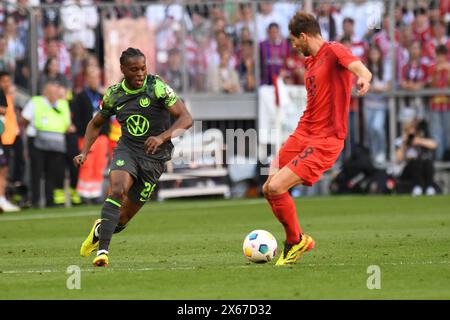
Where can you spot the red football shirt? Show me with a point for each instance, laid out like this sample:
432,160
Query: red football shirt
328,85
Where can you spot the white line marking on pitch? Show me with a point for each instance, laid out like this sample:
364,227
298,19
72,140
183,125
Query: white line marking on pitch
59,215
50,216
168,207
229,267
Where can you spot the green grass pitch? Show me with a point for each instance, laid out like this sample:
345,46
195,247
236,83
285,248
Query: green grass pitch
193,250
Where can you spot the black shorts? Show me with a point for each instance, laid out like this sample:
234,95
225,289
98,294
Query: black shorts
146,172
3,156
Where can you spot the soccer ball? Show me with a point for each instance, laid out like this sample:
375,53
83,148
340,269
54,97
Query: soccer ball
260,246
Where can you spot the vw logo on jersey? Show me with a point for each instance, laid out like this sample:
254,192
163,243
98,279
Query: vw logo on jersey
144,102
137,125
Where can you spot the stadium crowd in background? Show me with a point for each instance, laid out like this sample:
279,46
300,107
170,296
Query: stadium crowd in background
218,55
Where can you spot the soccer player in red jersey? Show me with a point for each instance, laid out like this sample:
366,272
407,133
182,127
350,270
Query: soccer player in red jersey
318,140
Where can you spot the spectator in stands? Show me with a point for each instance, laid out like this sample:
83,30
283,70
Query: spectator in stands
78,57
201,27
51,14
246,66
414,76
287,10
266,17
11,138
3,12
358,46
294,68
172,71
223,78
199,53
415,151
164,10
79,80
125,9
22,74
245,35
406,37
223,42
222,24
406,15
54,48
79,19
246,19
439,38
273,52
84,106
216,12
326,21
15,47
51,73
49,33
5,205
167,18
7,61
219,23
421,25
440,105
383,38
375,105
47,118
22,18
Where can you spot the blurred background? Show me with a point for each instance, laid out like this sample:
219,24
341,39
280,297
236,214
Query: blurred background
233,65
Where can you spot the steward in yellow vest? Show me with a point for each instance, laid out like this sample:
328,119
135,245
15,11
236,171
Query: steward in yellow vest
47,118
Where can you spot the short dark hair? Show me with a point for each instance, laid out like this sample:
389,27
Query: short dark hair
303,22
348,19
4,73
173,51
438,22
130,53
47,64
247,42
273,25
420,11
442,49
52,82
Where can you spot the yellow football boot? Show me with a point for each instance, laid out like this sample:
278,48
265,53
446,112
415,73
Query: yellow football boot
91,243
101,260
292,253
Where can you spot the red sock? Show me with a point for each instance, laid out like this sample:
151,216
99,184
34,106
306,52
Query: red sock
283,207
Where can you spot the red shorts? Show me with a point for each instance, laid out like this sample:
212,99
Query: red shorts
308,157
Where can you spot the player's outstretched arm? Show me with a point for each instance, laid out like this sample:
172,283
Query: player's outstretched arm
182,123
92,131
363,74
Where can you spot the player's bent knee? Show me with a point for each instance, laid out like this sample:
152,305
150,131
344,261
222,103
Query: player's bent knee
275,188
265,189
124,218
118,192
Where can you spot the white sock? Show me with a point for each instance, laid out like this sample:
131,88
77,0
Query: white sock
96,231
99,252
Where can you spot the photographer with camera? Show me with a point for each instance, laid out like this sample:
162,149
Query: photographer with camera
415,151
